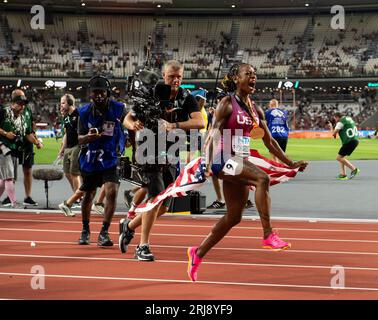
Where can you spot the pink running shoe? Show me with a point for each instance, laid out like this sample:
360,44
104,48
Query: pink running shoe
274,242
131,215
193,263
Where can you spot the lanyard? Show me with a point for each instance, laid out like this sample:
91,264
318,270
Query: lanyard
247,109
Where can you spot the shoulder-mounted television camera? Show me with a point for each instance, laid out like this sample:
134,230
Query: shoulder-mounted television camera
148,97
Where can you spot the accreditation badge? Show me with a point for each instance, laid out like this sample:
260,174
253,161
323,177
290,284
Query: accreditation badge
241,145
108,128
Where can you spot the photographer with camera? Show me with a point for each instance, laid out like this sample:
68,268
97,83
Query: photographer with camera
182,113
15,128
100,134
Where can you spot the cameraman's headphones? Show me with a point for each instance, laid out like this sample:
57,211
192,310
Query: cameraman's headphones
108,84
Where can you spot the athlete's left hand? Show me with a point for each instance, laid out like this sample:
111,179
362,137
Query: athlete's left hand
302,164
208,172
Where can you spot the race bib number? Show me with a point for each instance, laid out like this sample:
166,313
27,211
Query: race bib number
240,145
93,156
230,167
277,129
108,128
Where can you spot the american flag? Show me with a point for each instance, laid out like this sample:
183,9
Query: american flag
192,177
277,172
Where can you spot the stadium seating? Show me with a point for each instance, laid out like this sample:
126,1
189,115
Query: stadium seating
277,46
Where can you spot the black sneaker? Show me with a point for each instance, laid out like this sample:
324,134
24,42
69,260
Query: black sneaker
30,202
216,205
249,204
84,238
125,235
143,253
354,173
104,239
6,202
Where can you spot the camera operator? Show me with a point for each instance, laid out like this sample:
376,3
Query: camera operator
26,156
15,127
100,134
186,116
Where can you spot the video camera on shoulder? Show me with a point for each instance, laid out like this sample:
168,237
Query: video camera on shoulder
149,98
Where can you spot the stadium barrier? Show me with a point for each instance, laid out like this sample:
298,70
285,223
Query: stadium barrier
366,133
325,134
310,134
45,133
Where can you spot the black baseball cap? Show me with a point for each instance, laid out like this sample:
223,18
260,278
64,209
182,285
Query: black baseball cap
20,99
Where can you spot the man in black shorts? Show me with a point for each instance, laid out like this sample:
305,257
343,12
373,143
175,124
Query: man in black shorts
100,134
70,152
348,132
185,117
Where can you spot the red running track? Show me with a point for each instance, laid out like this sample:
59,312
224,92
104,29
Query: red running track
237,268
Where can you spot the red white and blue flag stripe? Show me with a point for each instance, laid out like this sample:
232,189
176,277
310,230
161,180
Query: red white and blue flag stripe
192,177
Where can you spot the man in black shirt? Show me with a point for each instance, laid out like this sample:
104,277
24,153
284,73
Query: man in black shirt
183,114
70,151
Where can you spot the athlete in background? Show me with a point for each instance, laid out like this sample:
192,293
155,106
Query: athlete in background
347,130
276,120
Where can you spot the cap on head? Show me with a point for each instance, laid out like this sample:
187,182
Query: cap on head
200,93
99,82
19,99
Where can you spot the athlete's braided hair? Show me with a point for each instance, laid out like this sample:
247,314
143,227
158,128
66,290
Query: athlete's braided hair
228,81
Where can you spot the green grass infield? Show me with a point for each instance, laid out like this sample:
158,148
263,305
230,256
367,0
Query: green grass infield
297,149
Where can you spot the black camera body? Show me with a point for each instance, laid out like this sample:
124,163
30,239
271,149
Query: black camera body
19,142
148,98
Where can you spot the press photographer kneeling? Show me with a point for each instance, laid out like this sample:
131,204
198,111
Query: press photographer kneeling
13,129
181,112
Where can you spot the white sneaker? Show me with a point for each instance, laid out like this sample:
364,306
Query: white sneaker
98,208
76,204
66,209
16,205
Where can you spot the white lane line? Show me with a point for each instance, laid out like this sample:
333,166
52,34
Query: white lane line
194,235
249,284
196,226
215,248
32,256
206,216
